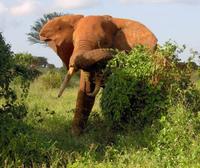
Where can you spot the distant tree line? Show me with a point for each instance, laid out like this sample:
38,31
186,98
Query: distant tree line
28,60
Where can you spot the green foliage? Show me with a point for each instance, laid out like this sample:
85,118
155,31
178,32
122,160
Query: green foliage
10,107
29,61
24,59
125,84
5,64
23,66
177,142
39,62
155,94
52,79
143,84
51,66
41,137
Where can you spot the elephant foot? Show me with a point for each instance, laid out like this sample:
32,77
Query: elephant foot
79,124
76,130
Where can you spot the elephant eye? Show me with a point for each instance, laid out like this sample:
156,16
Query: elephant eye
59,28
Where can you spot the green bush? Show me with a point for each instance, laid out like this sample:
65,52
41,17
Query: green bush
155,94
177,142
11,105
143,84
17,144
53,78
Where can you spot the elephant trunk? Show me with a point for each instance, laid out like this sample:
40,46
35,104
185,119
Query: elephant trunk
90,60
66,80
80,48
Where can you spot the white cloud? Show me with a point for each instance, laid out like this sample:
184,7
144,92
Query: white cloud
26,7
3,8
76,4
190,2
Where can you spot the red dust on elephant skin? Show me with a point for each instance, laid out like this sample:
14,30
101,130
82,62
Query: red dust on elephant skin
91,39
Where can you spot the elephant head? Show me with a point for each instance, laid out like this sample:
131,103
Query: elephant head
58,33
85,42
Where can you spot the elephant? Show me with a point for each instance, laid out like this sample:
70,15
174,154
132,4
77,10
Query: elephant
82,43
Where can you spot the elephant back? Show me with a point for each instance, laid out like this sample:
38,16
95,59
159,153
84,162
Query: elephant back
131,33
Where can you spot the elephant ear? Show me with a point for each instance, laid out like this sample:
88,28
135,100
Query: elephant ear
94,59
58,33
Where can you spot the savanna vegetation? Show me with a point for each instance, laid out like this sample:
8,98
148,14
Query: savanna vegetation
146,116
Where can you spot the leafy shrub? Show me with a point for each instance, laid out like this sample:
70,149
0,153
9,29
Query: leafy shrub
11,106
54,77
143,84
177,143
24,59
20,146
156,95
13,131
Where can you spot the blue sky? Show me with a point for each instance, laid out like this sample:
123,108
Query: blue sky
178,20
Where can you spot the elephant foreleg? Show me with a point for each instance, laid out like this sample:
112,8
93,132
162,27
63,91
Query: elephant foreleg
84,105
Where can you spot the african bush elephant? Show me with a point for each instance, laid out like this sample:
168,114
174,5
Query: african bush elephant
82,43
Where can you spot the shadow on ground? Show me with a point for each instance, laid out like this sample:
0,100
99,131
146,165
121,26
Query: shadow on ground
96,139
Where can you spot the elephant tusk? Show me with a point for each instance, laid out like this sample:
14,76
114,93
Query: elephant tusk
66,80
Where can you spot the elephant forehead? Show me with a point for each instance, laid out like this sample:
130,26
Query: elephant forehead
97,29
60,25
51,24
89,25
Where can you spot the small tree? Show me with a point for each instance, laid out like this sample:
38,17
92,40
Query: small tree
8,72
24,59
143,85
51,66
40,62
30,61
6,65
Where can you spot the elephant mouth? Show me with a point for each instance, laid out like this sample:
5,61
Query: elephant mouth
45,39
